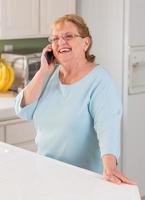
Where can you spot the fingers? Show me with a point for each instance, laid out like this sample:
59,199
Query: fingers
113,179
123,178
47,48
118,178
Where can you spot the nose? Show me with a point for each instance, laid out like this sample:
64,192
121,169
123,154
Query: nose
61,41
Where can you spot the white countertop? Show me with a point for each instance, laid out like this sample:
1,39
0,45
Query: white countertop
27,176
7,108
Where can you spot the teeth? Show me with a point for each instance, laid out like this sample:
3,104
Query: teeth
64,50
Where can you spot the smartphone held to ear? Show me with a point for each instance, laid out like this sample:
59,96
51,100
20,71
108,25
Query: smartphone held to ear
49,57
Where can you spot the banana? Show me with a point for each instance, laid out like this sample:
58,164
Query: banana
4,76
10,74
0,73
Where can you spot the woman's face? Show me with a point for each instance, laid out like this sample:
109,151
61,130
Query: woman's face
67,43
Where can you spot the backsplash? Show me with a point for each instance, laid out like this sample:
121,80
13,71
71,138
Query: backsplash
37,43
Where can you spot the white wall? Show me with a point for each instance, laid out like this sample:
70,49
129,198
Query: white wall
105,20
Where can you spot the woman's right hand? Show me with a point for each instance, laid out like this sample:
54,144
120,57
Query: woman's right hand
35,87
45,67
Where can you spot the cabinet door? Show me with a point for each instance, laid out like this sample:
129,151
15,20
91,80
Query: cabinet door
21,134
19,18
50,10
30,146
137,24
2,134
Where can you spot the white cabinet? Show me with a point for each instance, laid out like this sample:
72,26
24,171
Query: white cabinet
19,133
50,10
29,145
30,18
2,134
18,18
137,25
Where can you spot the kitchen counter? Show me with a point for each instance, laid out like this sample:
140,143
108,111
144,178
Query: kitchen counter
7,108
25,176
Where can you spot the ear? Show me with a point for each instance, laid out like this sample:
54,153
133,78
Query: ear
86,43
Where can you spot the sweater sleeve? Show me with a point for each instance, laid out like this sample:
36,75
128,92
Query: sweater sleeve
106,111
27,111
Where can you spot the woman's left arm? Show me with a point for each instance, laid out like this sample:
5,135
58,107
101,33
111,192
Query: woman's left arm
110,171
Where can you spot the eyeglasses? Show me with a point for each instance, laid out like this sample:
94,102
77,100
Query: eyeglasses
66,37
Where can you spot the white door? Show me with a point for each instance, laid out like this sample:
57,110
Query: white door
19,18
50,10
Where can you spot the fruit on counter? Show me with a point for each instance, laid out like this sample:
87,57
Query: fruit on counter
6,75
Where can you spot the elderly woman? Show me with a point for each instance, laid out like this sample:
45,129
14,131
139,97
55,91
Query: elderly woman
74,106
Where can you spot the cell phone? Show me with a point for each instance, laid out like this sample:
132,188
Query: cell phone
49,57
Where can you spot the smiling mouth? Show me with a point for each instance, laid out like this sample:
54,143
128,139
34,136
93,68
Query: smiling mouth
65,50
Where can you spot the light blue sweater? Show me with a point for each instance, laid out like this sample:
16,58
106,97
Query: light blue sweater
77,123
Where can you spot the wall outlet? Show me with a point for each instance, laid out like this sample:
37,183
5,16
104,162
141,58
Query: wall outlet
8,47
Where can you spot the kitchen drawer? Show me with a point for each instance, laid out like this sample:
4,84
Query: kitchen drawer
2,137
20,132
30,146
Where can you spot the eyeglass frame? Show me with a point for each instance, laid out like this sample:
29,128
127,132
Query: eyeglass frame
64,37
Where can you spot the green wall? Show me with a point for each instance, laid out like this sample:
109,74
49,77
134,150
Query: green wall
37,43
